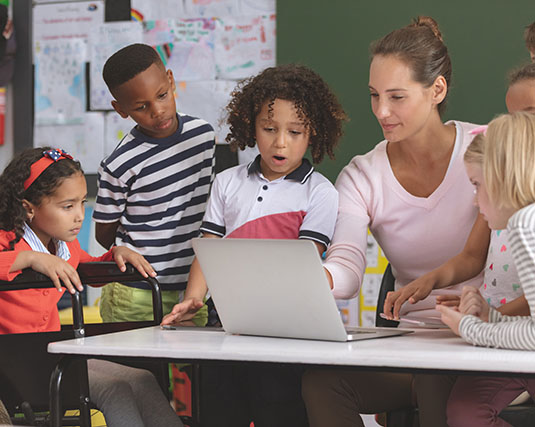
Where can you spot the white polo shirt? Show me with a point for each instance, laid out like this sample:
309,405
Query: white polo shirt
244,204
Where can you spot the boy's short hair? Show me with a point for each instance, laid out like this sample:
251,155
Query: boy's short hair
127,63
526,72
529,37
509,156
316,105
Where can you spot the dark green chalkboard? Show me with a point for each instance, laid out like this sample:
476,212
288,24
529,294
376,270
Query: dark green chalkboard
484,37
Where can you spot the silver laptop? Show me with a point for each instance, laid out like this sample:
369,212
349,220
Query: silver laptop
275,288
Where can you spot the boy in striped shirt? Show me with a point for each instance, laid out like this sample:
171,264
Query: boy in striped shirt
153,187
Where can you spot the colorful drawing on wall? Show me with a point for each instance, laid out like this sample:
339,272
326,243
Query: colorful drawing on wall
211,8
62,20
116,128
83,141
186,46
60,84
150,10
206,99
105,40
244,45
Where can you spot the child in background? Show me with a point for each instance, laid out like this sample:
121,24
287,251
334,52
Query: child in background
154,186
284,111
42,203
520,95
529,37
505,190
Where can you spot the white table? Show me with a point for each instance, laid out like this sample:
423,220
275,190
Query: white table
435,350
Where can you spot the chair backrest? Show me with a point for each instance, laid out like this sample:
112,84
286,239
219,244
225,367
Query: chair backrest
387,285
25,364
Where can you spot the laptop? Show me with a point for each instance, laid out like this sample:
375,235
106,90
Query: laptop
275,288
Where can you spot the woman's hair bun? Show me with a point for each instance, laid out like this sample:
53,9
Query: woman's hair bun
427,21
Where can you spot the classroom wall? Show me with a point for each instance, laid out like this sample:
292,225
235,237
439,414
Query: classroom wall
484,38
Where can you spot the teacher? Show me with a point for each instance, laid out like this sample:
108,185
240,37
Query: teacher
414,195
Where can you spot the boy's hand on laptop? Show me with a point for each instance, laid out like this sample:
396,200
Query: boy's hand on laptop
123,255
182,311
413,292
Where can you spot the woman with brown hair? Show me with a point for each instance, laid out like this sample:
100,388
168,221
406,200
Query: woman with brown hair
413,193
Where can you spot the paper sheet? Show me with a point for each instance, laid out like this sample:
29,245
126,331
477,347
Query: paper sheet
116,128
244,46
211,8
149,10
66,20
186,46
206,100
105,40
85,142
60,84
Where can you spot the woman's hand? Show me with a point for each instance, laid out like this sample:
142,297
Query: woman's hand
58,270
182,311
472,302
123,255
415,291
451,317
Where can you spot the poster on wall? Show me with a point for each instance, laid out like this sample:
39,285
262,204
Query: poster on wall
151,10
244,46
207,100
59,82
210,8
83,141
67,20
104,41
186,46
116,128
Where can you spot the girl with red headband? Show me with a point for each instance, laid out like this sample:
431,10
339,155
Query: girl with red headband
42,201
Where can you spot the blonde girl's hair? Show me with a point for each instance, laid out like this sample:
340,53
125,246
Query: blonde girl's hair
474,152
509,160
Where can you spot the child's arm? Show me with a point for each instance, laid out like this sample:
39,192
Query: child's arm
105,233
193,298
517,307
461,267
52,266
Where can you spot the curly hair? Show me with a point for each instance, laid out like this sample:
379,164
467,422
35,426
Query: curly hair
315,103
12,193
526,72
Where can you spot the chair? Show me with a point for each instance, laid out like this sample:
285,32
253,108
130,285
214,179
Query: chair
519,416
26,366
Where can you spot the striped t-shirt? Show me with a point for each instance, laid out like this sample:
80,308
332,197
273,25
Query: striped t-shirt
157,189
513,332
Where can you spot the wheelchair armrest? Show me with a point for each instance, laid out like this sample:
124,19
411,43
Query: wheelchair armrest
105,272
90,273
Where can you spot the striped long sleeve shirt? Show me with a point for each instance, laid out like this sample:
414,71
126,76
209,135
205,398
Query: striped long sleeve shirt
512,332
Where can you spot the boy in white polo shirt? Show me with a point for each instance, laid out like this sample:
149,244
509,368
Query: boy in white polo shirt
284,111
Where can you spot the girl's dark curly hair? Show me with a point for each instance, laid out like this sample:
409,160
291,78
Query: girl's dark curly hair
316,105
12,193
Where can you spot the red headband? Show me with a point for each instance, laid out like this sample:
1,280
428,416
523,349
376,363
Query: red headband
49,157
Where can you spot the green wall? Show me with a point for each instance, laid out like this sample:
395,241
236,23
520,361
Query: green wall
484,38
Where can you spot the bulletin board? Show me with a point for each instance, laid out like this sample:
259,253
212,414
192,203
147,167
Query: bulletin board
209,46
